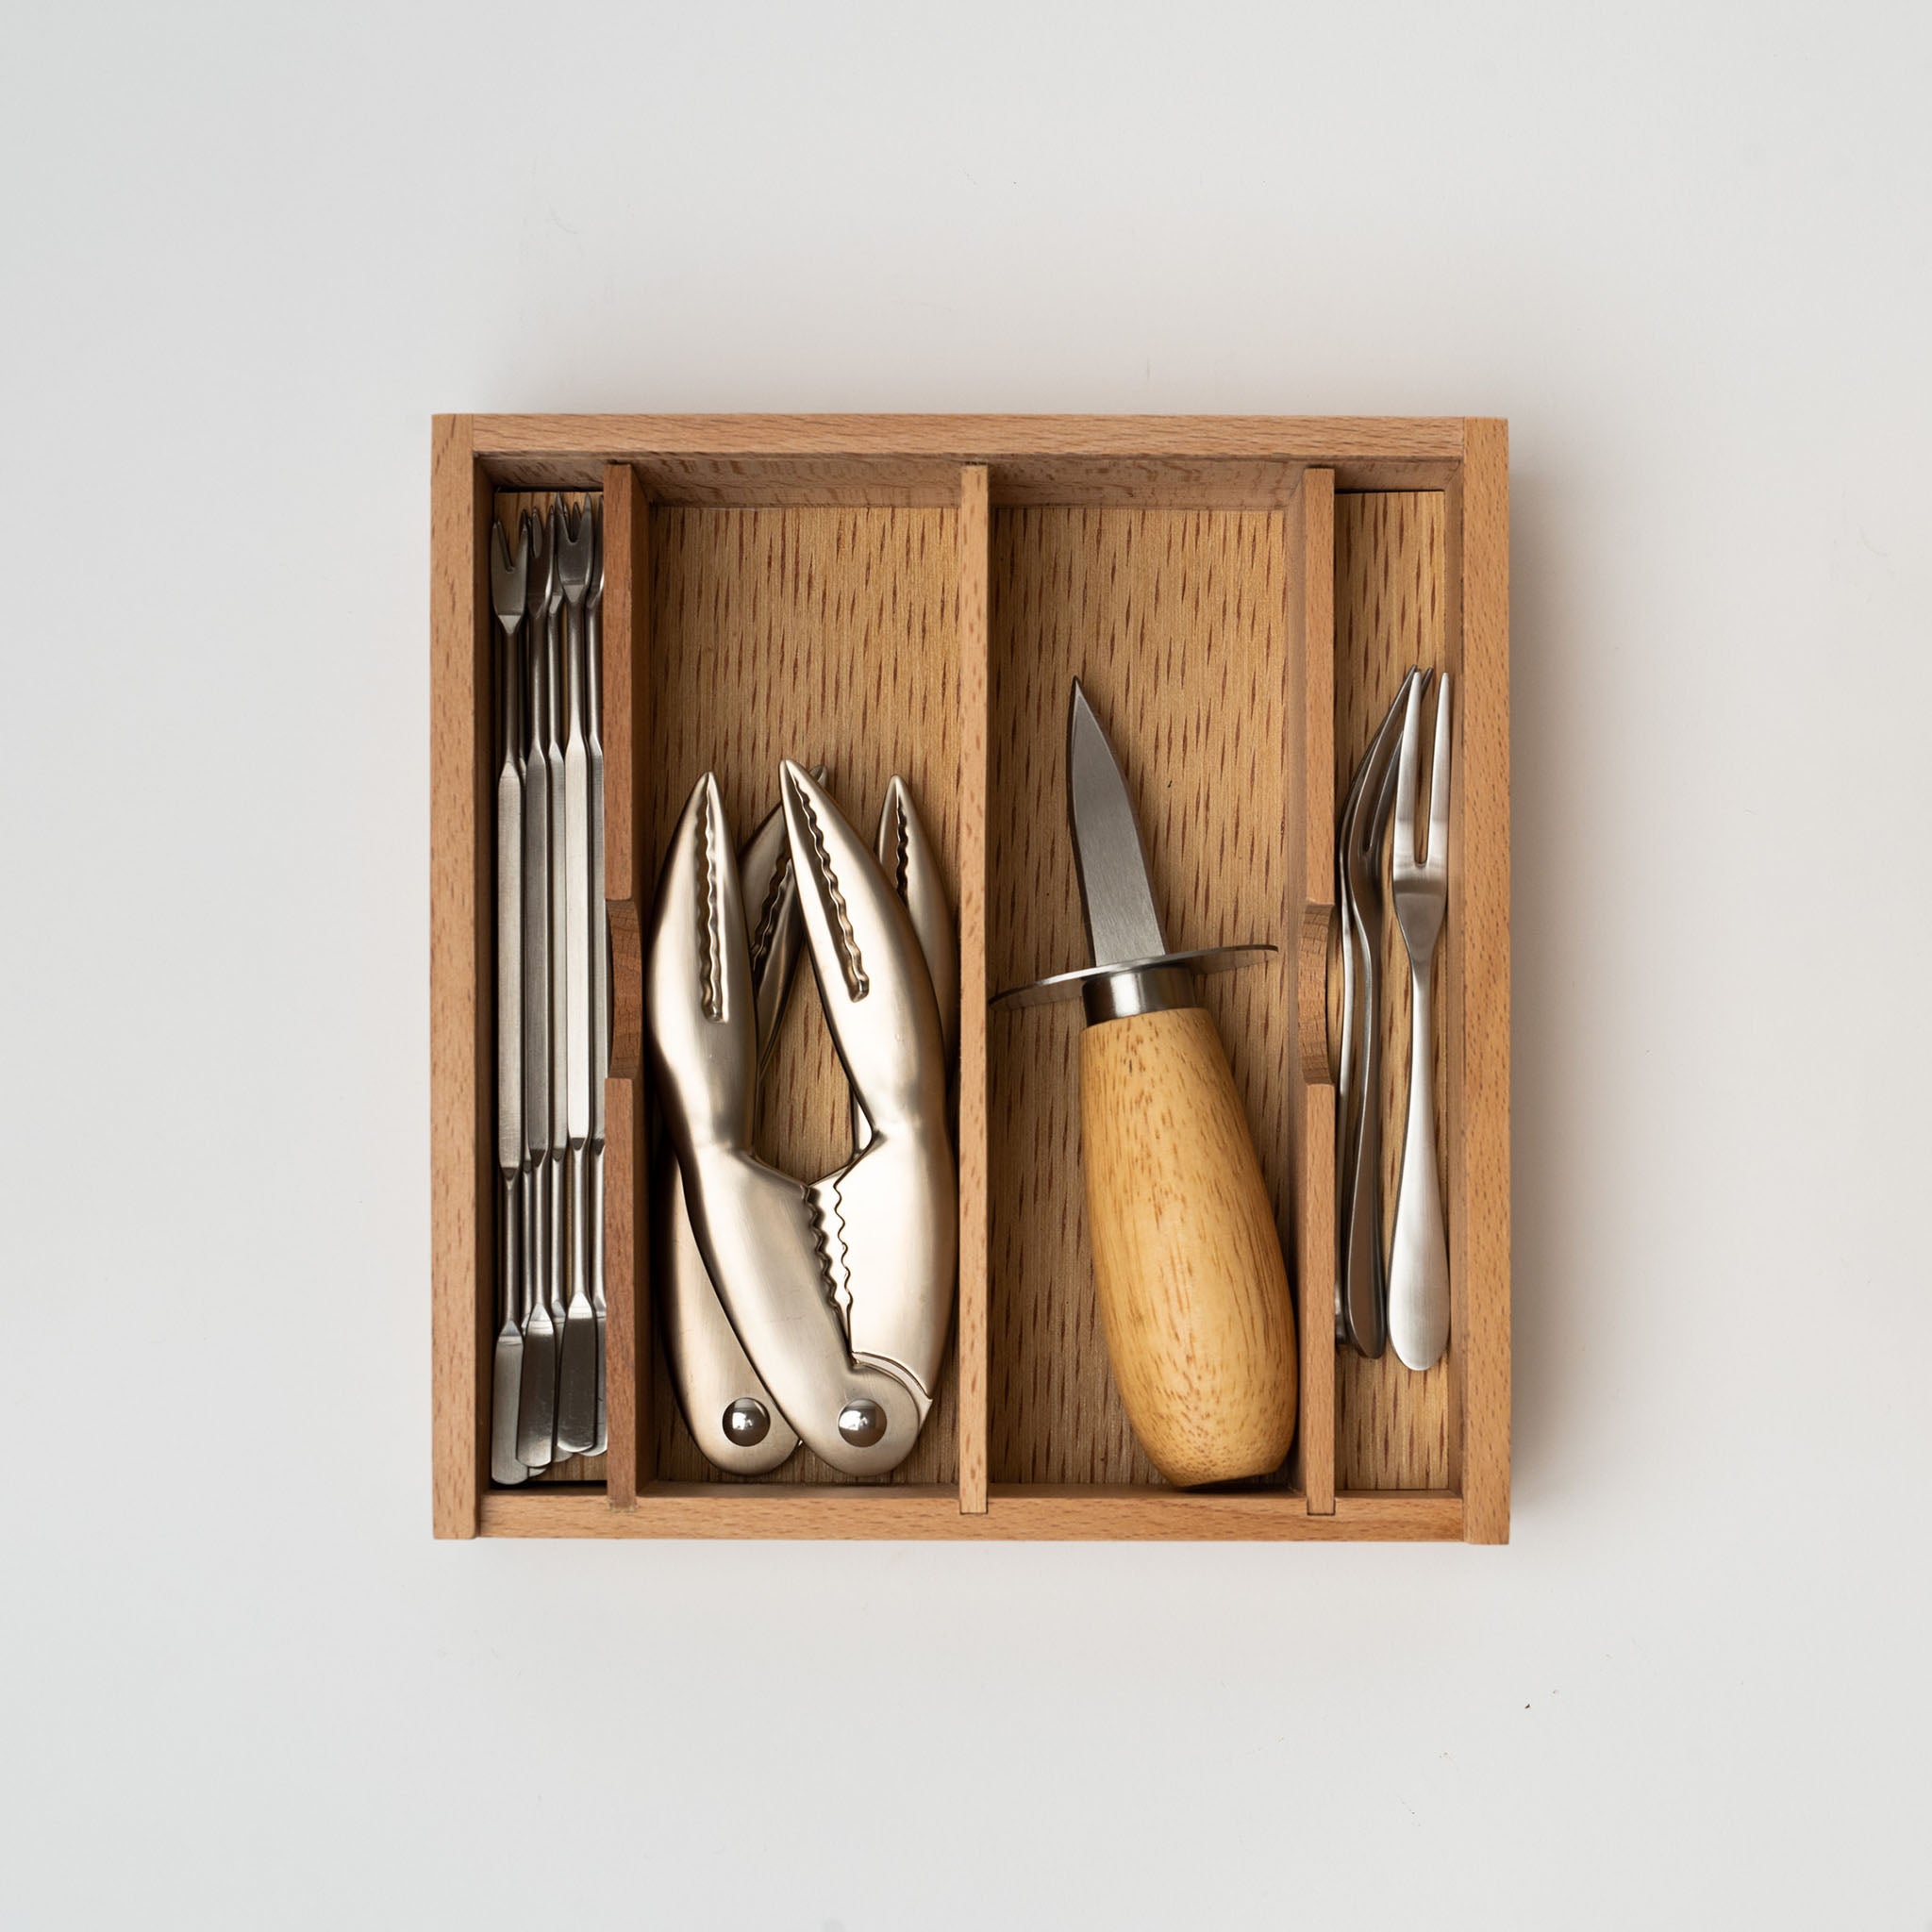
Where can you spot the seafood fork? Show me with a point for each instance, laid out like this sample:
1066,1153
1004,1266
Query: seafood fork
1418,1254
537,1407
600,943
507,588
559,943
1363,1283
576,1397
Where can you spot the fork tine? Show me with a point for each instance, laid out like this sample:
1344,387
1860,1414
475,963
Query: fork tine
576,547
1363,837
507,573
1408,762
1438,855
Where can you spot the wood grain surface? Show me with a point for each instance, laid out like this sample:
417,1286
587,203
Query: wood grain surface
627,721
1310,1095
1177,622
1391,612
828,635
975,670
461,969
1056,1513
1480,986
1187,1261
1235,462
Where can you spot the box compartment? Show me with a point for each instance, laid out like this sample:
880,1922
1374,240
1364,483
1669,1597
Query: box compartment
1178,621
828,635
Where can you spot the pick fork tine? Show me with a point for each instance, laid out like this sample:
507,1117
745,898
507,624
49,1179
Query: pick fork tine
507,577
1437,853
1403,857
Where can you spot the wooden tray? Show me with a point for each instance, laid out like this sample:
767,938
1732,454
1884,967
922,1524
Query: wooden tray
913,594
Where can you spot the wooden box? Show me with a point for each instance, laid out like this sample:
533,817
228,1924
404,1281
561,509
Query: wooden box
914,594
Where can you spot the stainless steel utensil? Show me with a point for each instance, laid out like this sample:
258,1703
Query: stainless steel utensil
907,859
576,1397
556,1160
1187,1266
840,1291
1362,1280
1418,1254
732,1416
507,588
600,948
558,1273
537,1403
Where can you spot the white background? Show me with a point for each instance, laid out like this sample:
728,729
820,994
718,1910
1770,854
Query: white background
247,253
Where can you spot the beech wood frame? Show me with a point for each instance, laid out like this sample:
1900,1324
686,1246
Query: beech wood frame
974,463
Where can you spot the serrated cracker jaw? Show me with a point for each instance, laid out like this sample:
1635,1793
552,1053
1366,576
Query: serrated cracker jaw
840,1293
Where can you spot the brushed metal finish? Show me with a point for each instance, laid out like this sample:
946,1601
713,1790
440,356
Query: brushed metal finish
1123,996
557,1271
600,952
894,1208
714,1377
507,578
537,1400
910,863
1362,1296
576,1396
1131,973
1066,986
1116,900
1419,1252
840,1292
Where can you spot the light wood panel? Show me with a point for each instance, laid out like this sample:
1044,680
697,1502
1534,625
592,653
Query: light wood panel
462,1184
1480,986
1188,1261
974,540
1391,612
929,1512
631,1460
1177,625
1171,461
829,636
1311,1092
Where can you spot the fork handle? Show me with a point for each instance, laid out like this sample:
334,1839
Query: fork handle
1362,1301
1418,1254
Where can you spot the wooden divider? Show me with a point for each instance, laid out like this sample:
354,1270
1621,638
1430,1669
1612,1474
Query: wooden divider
1480,915
1311,1094
630,1455
975,538
462,1180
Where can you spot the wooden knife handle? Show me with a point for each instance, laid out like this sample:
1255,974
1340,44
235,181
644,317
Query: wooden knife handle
1188,1265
